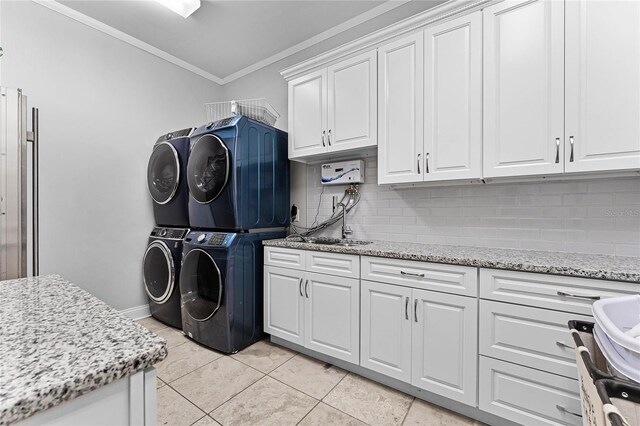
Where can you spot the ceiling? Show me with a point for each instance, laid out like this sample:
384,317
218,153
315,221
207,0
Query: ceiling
225,38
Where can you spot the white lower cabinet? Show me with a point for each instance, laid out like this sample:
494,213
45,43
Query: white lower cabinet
528,396
445,340
318,311
284,303
386,329
332,316
425,338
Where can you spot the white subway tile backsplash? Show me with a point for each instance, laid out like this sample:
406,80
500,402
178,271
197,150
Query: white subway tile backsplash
589,216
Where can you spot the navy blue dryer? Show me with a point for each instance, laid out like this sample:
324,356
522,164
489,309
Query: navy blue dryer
238,176
221,288
166,180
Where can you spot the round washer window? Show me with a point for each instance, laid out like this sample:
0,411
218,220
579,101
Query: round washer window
200,285
158,272
208,168
163,173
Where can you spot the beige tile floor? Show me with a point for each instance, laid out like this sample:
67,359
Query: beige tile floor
269,385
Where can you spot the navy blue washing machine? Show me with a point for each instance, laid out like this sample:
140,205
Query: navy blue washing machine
161,273
238,176
166,178
221,288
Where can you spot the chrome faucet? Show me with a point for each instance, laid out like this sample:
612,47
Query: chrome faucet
346,230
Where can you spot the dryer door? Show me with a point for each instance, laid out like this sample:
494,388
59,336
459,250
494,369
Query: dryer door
158,272
208,168
200,285
163,173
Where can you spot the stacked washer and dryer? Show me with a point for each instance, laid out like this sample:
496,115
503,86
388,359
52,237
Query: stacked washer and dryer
236,182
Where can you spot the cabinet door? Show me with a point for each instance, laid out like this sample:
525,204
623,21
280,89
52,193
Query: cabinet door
400,110
308,114
332,316
386,329
352,103
445,345
603,85
284,303
453,99
523,88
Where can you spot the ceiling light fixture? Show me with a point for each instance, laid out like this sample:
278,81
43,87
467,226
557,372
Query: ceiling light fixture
183,8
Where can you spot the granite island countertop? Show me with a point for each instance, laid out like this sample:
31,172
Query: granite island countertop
59,342
605,267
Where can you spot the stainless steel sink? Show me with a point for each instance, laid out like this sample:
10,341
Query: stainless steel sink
336,241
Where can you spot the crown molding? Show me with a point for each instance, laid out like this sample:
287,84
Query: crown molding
133,41
444,11
325,35
109,30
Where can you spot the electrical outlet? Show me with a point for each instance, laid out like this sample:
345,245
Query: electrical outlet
295,213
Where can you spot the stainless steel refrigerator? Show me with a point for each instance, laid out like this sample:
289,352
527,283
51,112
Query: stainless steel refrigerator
18,187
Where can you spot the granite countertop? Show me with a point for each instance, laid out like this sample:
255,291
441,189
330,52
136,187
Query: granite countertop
59,342
606,267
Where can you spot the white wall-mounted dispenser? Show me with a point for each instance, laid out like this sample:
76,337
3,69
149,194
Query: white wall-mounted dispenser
343,172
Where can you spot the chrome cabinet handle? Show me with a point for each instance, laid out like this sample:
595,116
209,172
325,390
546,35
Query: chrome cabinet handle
571,143
577,296
306,288
406,308
557,150
563,345
564,410
426,163
329,137
419,163
411,274
415,310
300,287
323,134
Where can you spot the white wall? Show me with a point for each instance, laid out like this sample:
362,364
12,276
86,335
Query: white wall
102,105
586,216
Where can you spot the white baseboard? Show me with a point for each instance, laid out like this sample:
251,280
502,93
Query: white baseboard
137,312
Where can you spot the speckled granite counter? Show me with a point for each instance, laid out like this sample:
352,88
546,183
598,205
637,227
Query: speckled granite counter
617,268
59,342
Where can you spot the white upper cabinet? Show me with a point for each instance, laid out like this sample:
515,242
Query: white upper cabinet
453,99
308,114
353,118
400,110
523,88
602,113
334,109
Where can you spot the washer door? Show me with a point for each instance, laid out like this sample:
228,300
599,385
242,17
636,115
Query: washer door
208,168
163,173
158,272
200,285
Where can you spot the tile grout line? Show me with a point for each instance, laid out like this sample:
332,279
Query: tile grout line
336,408
413,401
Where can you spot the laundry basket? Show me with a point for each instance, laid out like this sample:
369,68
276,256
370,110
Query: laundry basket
613,317
620,402
592,368
257,109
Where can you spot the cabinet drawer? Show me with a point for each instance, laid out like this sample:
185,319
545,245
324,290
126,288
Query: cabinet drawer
344,265
528,396
284,257
534,337
454,279
567,294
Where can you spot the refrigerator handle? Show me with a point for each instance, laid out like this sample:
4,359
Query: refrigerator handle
34,137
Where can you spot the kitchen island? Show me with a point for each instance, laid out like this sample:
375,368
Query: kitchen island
68,358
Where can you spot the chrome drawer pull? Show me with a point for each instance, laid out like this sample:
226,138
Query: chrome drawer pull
564,410
323,134
406,308
557,150
300,286
571,142
306,288
419,163
411,274
577,296
563,345
415,309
